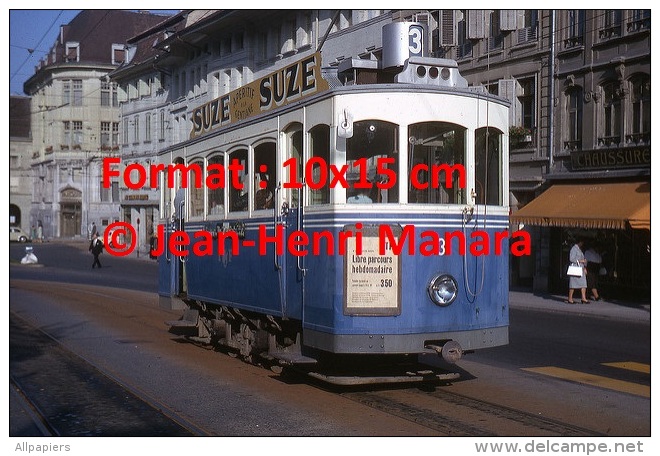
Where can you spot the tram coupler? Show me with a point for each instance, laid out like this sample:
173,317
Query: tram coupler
451,351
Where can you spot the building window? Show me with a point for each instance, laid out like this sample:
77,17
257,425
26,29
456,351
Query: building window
464,48
529,31
527,105
640,104
77,92
289,31
106,137
147,127
67,133
611,25
639,20
125,140
77,137
136,129
72,52
73,134
305,30
573,139
611,127
262,47
115,192
106,94
115,135
574,29
104,195
161,126
66,92
118,54
495,36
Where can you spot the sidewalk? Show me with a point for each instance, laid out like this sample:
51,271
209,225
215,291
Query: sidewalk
614,309
518,299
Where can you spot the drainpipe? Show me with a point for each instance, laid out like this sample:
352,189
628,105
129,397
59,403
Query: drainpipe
551,94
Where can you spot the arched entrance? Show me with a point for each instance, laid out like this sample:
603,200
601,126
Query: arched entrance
70,212
14,215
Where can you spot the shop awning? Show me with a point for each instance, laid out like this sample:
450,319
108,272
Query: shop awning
594,205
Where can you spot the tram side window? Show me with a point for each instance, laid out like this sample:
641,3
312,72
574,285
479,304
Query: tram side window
177,183
215,186
238,198
320,150
294,148
196,192
265,176
436,163
488,166
373,161
166,198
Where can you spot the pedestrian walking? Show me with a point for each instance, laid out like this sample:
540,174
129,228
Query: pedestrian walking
576,257
594,263
96,247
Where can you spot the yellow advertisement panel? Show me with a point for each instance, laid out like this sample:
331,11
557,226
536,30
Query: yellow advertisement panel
294,82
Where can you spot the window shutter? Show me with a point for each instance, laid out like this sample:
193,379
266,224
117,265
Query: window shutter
511,90
508,20
476,24
448,25
521,19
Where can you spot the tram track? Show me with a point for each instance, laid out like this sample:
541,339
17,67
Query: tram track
455,414
66,395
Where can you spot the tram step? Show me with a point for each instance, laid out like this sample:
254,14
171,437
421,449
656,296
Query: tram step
188,320
292,358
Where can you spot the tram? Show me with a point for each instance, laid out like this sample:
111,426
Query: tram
343,221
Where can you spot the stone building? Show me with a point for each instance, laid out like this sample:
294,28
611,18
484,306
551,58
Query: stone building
75,122
578,82
20,156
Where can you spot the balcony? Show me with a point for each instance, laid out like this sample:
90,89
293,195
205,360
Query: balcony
573,145
638,138
609,141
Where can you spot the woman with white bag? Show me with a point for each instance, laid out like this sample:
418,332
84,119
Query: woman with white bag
576,257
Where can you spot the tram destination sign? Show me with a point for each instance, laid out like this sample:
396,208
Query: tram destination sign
291,83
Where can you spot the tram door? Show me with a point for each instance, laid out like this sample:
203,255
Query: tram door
171,268
290,216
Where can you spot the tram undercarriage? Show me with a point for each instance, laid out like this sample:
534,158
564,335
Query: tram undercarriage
275,343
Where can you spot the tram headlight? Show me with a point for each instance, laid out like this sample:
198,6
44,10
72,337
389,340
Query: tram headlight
443,289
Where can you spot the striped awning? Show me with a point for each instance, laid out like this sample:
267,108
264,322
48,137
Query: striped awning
593,205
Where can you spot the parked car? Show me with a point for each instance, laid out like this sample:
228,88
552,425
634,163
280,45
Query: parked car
17,234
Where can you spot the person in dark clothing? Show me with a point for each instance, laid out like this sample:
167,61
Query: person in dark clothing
96,247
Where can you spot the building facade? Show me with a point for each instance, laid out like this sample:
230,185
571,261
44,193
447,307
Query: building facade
578,82
20,156
75,122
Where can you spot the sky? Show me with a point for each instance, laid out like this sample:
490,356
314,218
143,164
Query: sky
31,35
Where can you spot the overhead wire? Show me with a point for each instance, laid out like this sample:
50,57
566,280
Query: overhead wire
32,50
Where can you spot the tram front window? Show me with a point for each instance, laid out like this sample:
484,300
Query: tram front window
436,163
372,158
488,166
319,138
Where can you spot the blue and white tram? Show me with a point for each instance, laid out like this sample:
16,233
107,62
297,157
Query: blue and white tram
353,215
